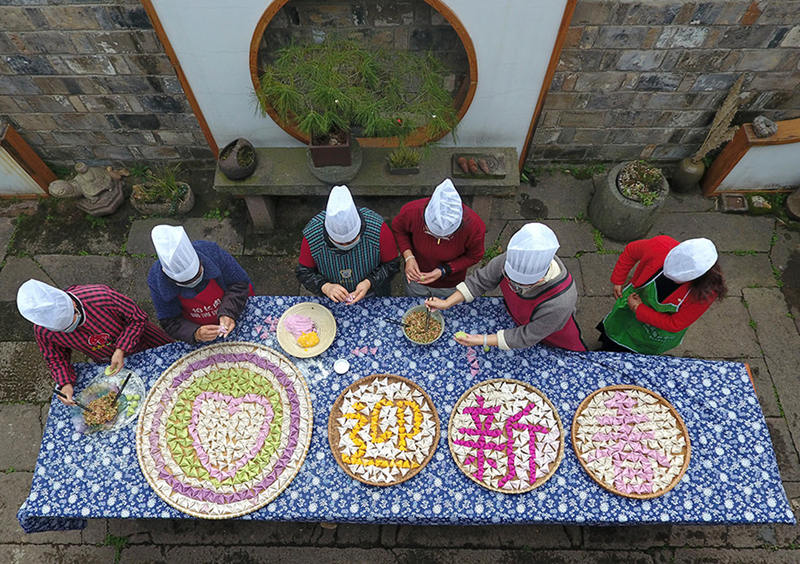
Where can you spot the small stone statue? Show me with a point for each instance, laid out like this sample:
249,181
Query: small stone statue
764,127
99,190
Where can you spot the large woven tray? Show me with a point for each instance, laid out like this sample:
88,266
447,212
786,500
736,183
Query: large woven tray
631,441
383,429
490,434
224,430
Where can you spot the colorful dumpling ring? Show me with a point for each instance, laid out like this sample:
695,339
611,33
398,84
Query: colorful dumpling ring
308,340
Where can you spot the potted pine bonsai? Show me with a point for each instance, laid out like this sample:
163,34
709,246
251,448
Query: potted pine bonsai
326,89
163,192
626,201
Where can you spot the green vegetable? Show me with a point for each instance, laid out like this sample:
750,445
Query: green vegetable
460,335
109,371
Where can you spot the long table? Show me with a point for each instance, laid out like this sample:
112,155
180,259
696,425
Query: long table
732,477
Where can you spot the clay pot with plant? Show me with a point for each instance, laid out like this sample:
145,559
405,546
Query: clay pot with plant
163,192
326,89
404,160
237,160
626,200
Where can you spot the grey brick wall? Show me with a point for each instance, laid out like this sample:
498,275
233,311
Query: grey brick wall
644,78
83,79
90,80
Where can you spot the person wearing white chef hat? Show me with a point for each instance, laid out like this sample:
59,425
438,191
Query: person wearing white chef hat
539,293
439,238
198,289
672,286
91,318
347,253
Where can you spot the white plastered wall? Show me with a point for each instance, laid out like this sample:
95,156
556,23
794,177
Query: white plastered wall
14,180
765,167
513,40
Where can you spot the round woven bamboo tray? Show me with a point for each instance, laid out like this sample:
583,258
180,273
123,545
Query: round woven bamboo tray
224,430
381,437
676,428
465,456
323,321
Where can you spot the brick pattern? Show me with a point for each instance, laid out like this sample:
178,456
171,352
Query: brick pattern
90,80
639,79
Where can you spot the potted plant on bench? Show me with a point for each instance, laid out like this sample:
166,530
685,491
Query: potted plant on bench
404,160
326,89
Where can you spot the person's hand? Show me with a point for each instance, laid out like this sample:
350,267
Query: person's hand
206,333
67,390
412,270
617,290
117,362
469,340
360,291
335,292
634,301
436,303
428,277
226,325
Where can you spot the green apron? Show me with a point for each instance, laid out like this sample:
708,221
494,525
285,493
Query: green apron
623,328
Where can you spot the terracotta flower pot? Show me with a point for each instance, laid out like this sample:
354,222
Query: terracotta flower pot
338,154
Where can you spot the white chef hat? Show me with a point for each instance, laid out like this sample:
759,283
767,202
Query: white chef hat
443,213
342,221
44,305
690,260
178,258
530,252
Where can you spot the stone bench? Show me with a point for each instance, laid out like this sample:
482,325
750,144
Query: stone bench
285,172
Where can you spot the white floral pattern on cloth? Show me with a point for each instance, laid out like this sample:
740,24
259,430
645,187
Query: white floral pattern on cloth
631,441
224,429
733,476
383,430
506,436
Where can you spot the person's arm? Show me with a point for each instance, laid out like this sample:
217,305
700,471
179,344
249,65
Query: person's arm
401,226
548,318
57,359
390,262
237,283
473,248
180,329
689,312
632,254
306,270
483,280
133,318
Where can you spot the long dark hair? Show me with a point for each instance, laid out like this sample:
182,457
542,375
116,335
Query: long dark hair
711,284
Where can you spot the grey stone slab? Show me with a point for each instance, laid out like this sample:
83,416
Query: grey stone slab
723,331
735,556
494,231
496,536
25,374
88,554
20,435
743,271
355,534
6,231
554,197
271,275
574,268
67,270
27,553
16,271
729,232
693,535
143,555
223,232
765,388
786,244
636,536
573,236
596,269
292,214
689,202
785,452
14,488
15,327
134,270
95,531
591,309
195,532
780,342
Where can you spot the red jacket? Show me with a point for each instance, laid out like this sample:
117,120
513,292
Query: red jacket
463,249
650,254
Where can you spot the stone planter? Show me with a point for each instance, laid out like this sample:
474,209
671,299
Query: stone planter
616,216
336,174
231,157
184,206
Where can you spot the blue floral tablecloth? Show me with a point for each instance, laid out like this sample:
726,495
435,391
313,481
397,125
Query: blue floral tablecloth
732,478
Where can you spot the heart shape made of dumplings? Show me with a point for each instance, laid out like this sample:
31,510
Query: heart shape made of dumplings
228,432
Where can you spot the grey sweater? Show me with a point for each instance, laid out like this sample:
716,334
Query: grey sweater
549,317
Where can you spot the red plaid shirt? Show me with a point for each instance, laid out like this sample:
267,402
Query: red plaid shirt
111,321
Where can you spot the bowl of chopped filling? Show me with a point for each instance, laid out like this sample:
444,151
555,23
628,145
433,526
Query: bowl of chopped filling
421,330
107,415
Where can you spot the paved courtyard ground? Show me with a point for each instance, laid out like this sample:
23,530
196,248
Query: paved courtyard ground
759,323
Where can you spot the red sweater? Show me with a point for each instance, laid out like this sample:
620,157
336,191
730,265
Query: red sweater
462,250
650,254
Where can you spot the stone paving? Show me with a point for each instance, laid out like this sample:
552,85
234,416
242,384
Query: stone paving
755,324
